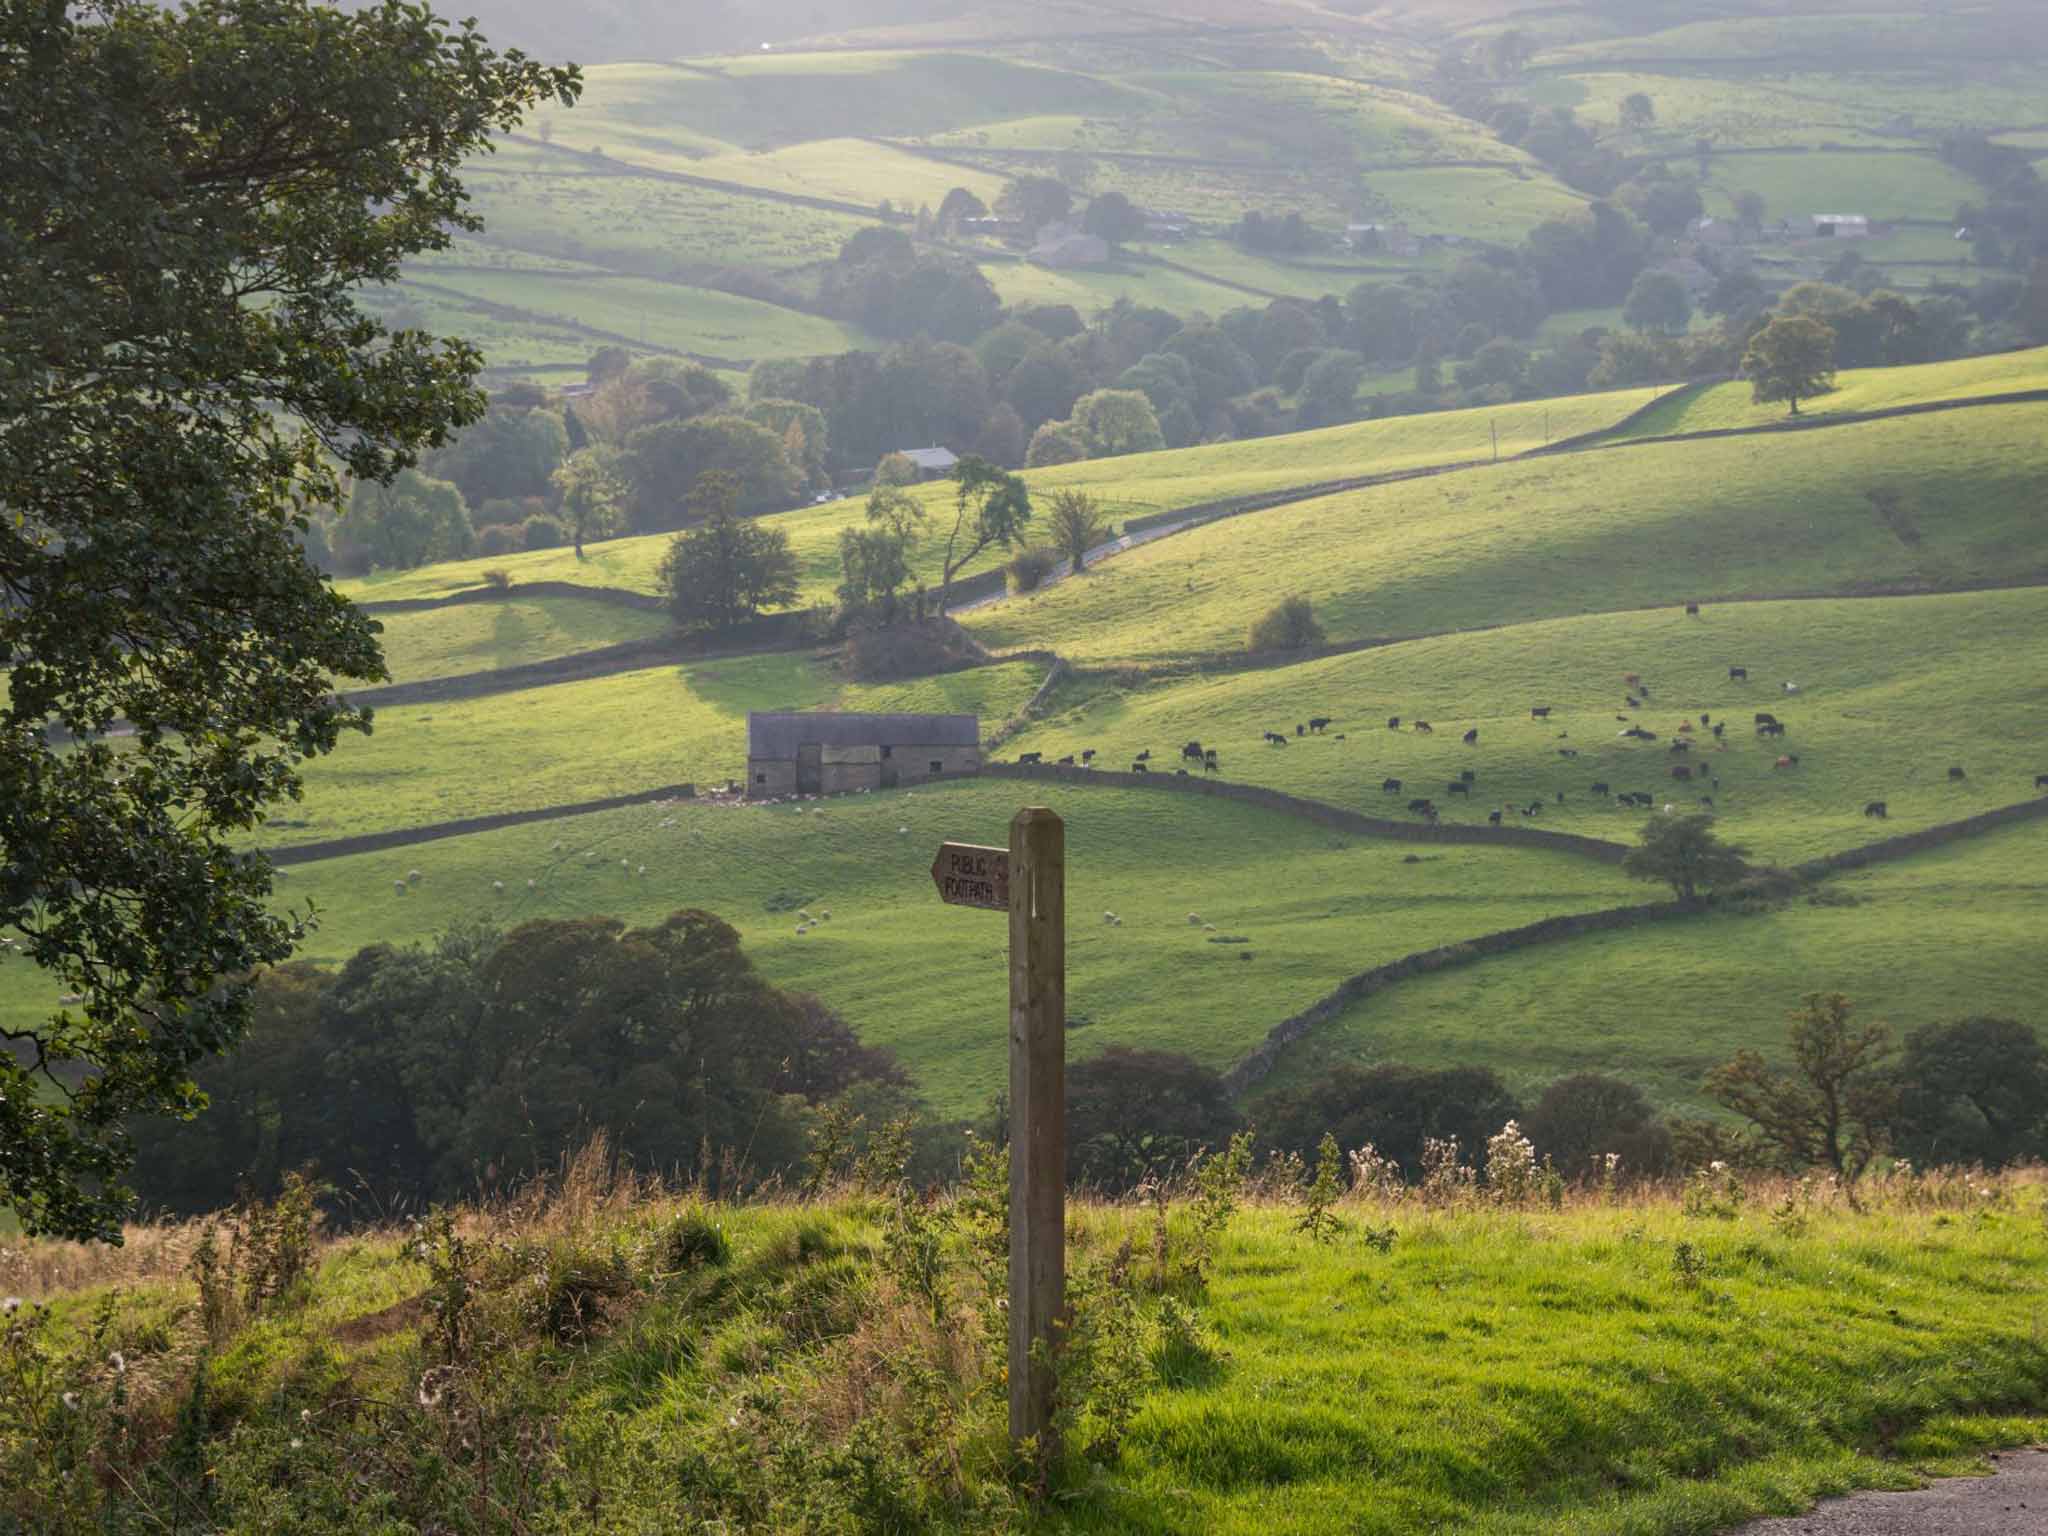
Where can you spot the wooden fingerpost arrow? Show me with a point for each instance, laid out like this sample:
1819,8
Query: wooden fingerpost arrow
1030,880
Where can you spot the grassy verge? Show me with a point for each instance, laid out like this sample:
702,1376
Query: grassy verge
488,637
1518,1370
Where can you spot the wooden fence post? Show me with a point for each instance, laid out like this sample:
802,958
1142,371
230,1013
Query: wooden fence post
1038,1116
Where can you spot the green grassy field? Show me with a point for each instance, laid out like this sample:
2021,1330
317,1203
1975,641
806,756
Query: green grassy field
668,317
1937,937
1893,692
1577,533
606,736
1140,483
1900,186
1868,389
488,637
928,980
1590,1371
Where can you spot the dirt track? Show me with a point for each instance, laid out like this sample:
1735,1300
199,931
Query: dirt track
2014,1502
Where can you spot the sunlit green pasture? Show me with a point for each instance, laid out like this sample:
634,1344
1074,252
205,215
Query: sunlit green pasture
1735,113
488,637
853,170
669,317
587,740
1893,693
1480,203
928,980
1936,937
587,211
1131,486
1630,526
1887,186
506,341
1865,389
1093,289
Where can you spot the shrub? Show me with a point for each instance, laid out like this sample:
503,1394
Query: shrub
1289,625
498,579
544,533
1031,566
500,539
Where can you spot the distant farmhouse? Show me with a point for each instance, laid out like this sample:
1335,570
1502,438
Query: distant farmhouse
1062,245
1382,239
836,754
1841,226
932,463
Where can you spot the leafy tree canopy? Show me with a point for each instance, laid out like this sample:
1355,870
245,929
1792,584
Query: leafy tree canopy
192,199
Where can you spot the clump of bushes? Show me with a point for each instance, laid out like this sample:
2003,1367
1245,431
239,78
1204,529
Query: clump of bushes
1031,566
1289,625
544,533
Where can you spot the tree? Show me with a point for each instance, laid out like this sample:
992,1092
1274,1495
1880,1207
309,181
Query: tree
193,199
992,507
1664,202
896,469
1001,440
1395,1109
1112,218
958,206
1329,389
1289,625
1791,359
510,453
1582,1118
1132,1114
1055,443
1974,1092
593,493
1638,112
661,459
806,439
1684,853
1658,302
1832,1109
409,521
1044,385
726,570
1750,208
875,560
606,364
1112,422
1076,525
1738,297
1035,201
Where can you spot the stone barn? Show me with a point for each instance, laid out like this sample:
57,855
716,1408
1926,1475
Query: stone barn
835,754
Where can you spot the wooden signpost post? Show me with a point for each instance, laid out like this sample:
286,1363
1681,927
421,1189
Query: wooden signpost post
1029,880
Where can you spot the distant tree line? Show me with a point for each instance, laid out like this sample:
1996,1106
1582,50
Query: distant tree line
426,1073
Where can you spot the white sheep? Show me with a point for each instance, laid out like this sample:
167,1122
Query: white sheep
399,886
903,831
558,846
1194,919
1791,687
498,885
532,885
642,870
826,914
413,877
1112,920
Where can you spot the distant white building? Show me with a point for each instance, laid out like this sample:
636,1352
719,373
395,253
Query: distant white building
1841,226
1388,239
1062,245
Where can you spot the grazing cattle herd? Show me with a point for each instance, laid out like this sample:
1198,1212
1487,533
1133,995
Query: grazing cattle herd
1768,727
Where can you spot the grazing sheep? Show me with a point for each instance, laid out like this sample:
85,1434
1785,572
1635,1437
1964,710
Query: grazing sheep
498,885
1791,687
413,877
1786,762
399,886
1194,919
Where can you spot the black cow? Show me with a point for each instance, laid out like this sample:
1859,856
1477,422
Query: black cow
1088,756
1600,789
1705,718
1141,767
1067,761
1467,775
1956,775
1540,712
1210,754
1276,738
1180,773
1632,701
2041,781
1719,729
1471,737
1422,807
1707,801
1692,610
1764,717
1458,787
1566,752
1390,786
1423,728
1192,752
1300,729
1318,723
1738,674
1494,817
1680,771
1031,757
1393,722
1773,729
1210,765
1533,808
1145,756
1643,800
1875,808
1646,735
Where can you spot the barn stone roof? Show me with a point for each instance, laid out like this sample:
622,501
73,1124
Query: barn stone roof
775,736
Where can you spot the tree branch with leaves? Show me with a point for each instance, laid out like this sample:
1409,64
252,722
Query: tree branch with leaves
991,508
